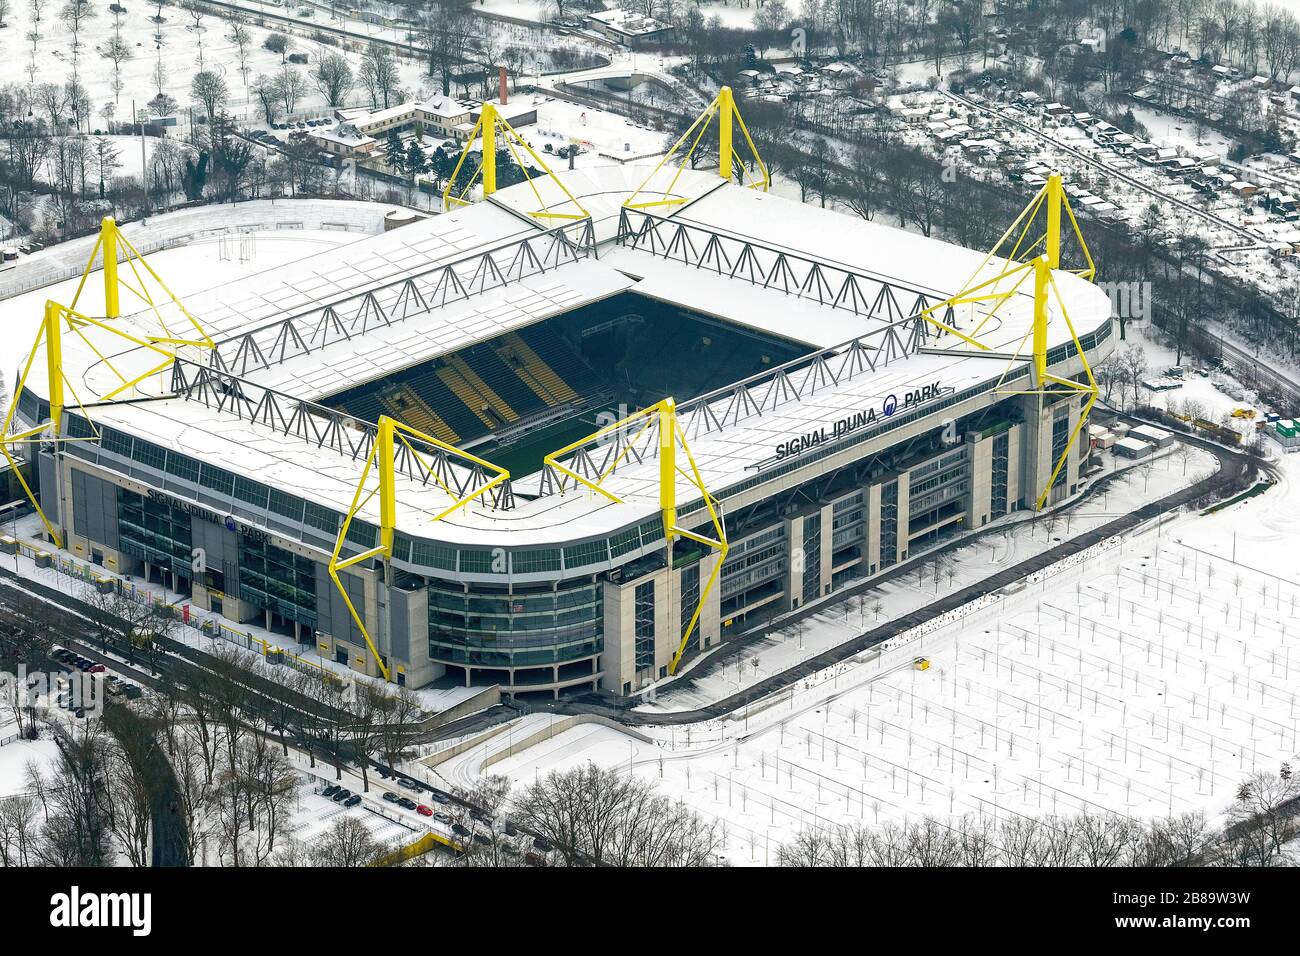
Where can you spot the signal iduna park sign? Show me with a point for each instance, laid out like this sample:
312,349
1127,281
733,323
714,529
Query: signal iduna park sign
842,426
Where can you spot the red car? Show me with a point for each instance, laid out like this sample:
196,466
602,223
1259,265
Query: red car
423,811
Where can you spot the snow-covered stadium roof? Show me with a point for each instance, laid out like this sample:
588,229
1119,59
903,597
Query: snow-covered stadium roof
401,298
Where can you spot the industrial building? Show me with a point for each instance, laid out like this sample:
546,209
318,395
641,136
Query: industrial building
553,524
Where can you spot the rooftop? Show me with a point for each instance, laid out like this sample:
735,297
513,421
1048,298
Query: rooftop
343,317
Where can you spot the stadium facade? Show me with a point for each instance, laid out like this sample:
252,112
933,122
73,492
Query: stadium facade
840,432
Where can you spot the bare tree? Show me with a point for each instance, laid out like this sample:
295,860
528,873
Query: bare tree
379,75
210,91
596,816
242,38
347,843
333,78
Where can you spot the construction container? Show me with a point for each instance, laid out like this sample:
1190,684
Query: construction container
1156,436
1132,448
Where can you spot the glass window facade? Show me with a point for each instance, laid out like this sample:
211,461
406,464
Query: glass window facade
514,629
278,580
998,504
812,557
152,530
889,525
690,593
1060,438
645,626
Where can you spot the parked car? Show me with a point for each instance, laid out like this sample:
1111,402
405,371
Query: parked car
423,811
341,795
437,797
482,838
442,817
407,803
460,829
390,797
352,801
408,785
329,791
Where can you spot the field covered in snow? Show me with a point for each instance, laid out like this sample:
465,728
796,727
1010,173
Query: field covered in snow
1149,677
1145,682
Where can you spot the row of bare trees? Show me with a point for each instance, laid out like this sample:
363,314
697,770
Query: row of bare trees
213,743
1263,819
585,816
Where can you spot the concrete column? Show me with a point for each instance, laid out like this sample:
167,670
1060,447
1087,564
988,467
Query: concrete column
871,543
827,549
794,573
904,499
980,475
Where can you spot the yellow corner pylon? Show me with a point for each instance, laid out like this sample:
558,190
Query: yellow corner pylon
671,439
724,107
489,124
107,246
59,320
381,458
1037,257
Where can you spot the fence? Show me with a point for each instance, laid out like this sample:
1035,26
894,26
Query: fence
186,613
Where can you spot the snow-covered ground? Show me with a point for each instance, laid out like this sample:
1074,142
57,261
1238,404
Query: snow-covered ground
17,754
1150,678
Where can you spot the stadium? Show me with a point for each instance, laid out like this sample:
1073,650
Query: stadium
566,436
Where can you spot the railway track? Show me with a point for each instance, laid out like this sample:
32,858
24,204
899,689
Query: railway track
1256,371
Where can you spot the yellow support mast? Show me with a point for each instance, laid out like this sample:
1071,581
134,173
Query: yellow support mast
60,321
108,239
1039,257
671,440
391,434
724,108
490,127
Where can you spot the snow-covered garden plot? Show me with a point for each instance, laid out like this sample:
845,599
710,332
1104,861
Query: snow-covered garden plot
1150,678
185,49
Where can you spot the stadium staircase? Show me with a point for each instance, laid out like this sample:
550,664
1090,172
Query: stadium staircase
554,364
534,370
503,380
440,400
466,384
406,406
